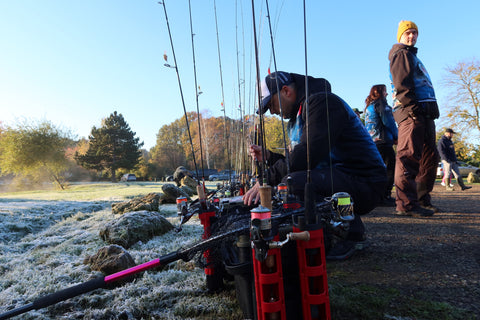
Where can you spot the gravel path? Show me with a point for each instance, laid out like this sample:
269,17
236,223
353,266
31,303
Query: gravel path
438,257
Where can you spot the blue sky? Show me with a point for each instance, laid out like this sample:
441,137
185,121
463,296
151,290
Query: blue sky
75,62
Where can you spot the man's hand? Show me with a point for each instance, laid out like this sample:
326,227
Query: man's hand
256,153
252,195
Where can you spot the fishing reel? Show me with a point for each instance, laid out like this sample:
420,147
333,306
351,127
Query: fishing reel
342,205
260,231
341,213
182,212
186,211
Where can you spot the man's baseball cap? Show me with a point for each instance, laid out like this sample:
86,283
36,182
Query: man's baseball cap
269,87
450,130
356,110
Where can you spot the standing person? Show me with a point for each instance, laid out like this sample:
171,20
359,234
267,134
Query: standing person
415,110
449,159
383,130
343,157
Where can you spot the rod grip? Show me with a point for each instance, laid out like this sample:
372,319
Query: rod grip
300,236
201,192
68,293
266,196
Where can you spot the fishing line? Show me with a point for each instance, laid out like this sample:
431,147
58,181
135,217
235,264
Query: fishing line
175,66
276,23
240,126
278,90
221,85
197,93
307,110
309,178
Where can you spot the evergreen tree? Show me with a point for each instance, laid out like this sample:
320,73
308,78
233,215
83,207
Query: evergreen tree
111,147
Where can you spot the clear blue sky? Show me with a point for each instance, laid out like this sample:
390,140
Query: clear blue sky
75,62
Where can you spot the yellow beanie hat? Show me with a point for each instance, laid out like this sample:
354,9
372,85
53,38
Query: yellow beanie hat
403,26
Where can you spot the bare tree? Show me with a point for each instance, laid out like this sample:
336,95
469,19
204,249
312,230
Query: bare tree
463,80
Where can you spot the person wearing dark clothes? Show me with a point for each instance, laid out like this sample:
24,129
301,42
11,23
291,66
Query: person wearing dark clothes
381,126
415,110
449,159
343,156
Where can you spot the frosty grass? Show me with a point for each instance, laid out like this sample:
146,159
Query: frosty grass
45,236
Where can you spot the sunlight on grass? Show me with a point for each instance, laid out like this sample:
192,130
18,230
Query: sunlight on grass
91,191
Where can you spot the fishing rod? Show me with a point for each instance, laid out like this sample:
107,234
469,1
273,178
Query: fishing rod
221,85
259,90
175,66
197,93
239,160
239,225
103,281
287,156
309,192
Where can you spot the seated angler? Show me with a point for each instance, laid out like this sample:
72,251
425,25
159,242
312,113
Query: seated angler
343,157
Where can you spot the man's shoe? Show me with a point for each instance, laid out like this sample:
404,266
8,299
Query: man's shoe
341,251
415,212
431,207
402,213
466,188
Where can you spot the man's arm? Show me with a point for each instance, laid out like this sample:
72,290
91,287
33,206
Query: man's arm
441,149
401,69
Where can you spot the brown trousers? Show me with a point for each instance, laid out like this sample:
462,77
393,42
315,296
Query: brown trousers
416,162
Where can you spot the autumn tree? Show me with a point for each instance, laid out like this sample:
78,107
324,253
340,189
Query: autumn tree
274,134
464,106
169,152
34,150
224,142
111,147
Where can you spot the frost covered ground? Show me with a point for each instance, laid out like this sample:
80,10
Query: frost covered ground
45,236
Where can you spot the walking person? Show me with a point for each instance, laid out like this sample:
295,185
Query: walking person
383,130
415,110
449,160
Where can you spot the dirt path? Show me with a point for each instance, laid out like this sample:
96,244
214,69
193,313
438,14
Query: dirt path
437,258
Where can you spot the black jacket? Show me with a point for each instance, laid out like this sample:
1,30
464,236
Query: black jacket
351,148
413,93
446,149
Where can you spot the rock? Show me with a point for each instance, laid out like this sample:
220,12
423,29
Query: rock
188,190
150,203
110,259
171,193
190,183
135,226
473,178
179,173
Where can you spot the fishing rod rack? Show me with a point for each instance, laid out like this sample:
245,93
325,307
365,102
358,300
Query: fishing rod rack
260,260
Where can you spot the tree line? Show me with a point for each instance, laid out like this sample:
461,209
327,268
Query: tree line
32,153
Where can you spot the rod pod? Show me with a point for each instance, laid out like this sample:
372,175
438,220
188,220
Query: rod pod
312,269
267,269
213,276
